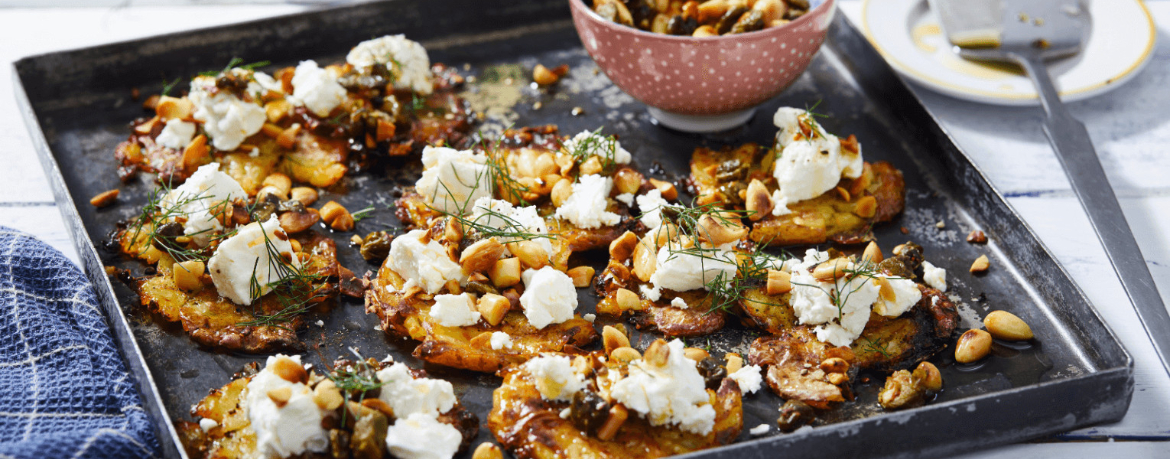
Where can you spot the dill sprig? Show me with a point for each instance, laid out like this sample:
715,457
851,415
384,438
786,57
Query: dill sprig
168,86
354,383
501,175
872,345
159,210
235,63
842,280
362,214
511,230
294,289
603,147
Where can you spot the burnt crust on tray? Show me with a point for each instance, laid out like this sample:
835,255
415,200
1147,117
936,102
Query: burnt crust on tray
844,216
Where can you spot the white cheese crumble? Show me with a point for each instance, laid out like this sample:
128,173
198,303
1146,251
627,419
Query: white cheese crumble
906,295
409,396
748,378
760,429
682,271
839,324
678,302
200,199
554,377
426,265
650,205
806,168
502,215
587,203
454,310
245,260
264,82
593,143
316,89
500,340
407,61
589,317
283,431
781,204
207,424
934,276
453,179
176,134
626,198
674,393
227,120
549,297
422,437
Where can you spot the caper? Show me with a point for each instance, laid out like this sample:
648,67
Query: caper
376,245
588,411
712,372
164,237
794,415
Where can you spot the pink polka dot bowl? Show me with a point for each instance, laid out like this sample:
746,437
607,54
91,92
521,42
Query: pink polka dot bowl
703,84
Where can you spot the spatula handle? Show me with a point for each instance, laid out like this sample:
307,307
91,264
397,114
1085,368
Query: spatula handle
1075,150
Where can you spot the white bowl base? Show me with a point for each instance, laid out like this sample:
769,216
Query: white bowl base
701,123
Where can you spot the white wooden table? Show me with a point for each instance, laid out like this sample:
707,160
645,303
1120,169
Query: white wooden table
1130,126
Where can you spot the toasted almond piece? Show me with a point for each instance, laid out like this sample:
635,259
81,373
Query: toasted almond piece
278,180
295,222
331,210
591,166
271,130
669,192
625,354
627,180
505,272
196,153
865,207
277,110
646,257
561,191
543,76
304,194
487,450
288,138
280,396
758,201
973,346
481,341
696,354
980,265
622,247
704,30
493,308
582,276
837,379
710,11
720,229
617,417
629,301
832,269
657,354
844,194
834,365
104,198
327,396
187,275
885,289
530,253
872,253
385,130
379,405
779,282
1007,326
453,287
481,256
976,237
733,362
174,108
928,375
289,370
612,339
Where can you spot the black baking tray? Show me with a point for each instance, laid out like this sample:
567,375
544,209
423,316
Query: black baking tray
77,105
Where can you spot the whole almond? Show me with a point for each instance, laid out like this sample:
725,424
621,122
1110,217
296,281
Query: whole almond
1007,326
289,370
973,346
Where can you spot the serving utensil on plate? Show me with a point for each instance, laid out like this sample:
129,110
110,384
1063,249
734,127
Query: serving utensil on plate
1029,34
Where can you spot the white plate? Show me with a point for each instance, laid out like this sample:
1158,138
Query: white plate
907,34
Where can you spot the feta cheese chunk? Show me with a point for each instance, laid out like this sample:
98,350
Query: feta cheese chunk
454,310
500,214
838,324
934,276
427,265
759,430
683,271
500,340
283,431
586,206
409,396
227,120
454,179
673,394
906,295
207,424
549,297
200,199
316,89
780,203
808,167
625,198
421,437
176,135
407,61
678,302
607,149
554,377
650,205
748,378
245,260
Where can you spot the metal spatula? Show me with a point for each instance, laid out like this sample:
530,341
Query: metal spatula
1028,33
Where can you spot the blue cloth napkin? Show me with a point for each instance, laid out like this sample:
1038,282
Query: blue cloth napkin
64,390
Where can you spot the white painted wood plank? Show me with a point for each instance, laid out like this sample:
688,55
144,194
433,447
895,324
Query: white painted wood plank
44,222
